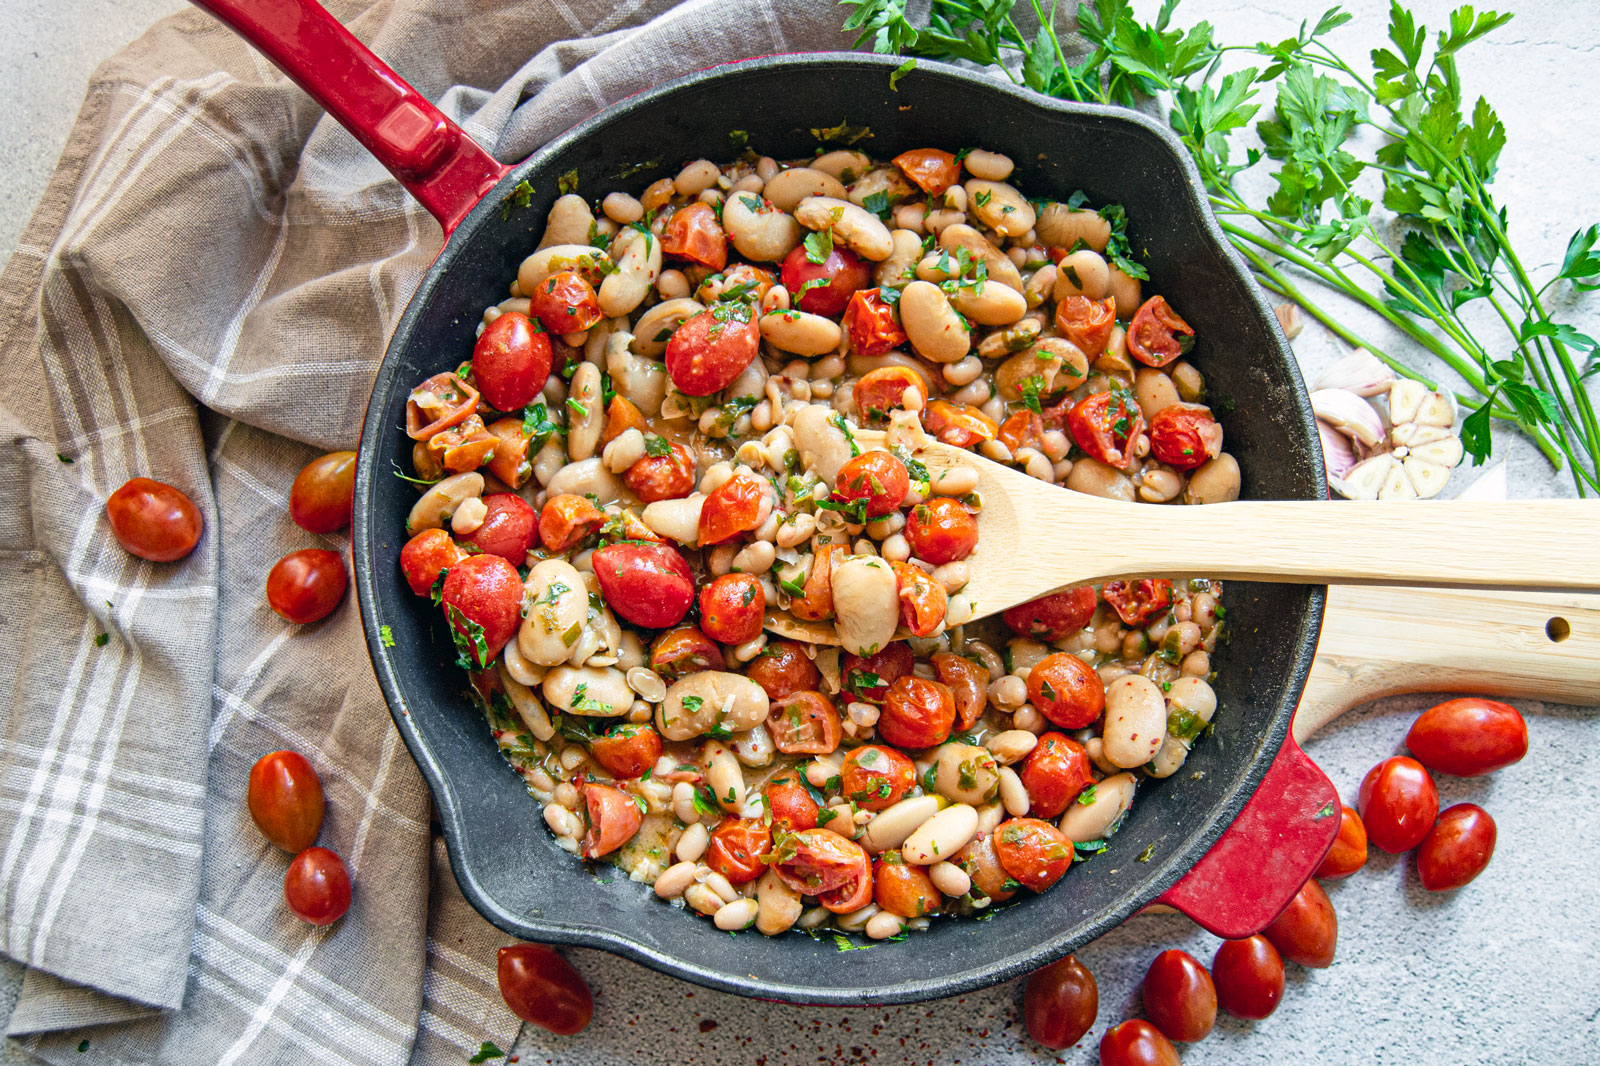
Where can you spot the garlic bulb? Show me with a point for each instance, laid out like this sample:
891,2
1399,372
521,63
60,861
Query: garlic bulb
1338,454
1360,372
1349,414
1423,449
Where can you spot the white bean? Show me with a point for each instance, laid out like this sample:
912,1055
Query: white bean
559,606
866,603
683,803
700,702
585,418
638,259
740,914
695,178
671,882
1012,793
891,826
964,371
657,325
1091,821
692,844
469,516
1011,745
622,208
931,324
949,878
440,501
990,166
780,904
1136,720
760,231
800,332
567,222
788,187
703,899
883,925
526,704
857,227
677,520
941,836
625,449
605,691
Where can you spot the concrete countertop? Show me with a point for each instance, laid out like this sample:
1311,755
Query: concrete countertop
1499,972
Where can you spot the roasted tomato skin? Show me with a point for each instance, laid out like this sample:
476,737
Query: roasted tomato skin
511,362
712,348
1104,424
693,233
732,608
873,329
902,888
1066,690
509,529
1138,602
425,555
877,477
567,520
782,668
942,530
917,713
565,303
1032,851
790,803
454,401
731,508
1054,773
868,678
682,651
627,749
1053,617
875,778
932,170
737,848
1185,436
1087,323
662,477
613,819
959,425
649,585
483,590
821,863
968,683
1157,336
846,275
804,722
981,864
923,601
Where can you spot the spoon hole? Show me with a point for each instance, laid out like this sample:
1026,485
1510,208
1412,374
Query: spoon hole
1557,629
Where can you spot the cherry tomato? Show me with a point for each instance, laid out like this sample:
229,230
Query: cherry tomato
834,280
1398,804
285,800
668,476
804,723
683,651
542,987
631,528
1086,323
462,447
1185,436
1053,617
874,777
622,415
1032,851
649,585
613,819
1021,429
317,886
981,864
732,508
1249,977
1060,1003
783,667
482,600
565,303
931,169
923,600
305,586
567,520
732,608
1136,1043
1179,997
742,278
320,498
868,678
1055,771
877,477
511,361
440,402
693,233
1066,690
1468,737
817,602
1150,334
510,462
942,530
790,803
1138,602
510,528
821,863
917,713
712,348
1349,852
1457,849
903,889
874,329
1307,931
425,555
627,749
153,520
958,425
1104,424
969,684
737,847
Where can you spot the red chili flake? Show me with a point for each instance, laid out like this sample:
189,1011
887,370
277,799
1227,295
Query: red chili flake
707,1024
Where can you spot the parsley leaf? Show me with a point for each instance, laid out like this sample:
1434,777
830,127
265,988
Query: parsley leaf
819,246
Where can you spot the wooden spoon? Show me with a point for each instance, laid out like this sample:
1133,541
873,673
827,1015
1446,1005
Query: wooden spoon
1035,538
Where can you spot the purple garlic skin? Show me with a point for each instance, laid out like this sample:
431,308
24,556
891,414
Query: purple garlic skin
1360,372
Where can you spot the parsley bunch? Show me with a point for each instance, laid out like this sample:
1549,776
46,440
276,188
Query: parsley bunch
1431,243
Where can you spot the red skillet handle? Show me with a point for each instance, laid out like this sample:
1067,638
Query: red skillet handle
1251,873
447,171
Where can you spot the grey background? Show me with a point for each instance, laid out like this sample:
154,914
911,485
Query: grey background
1499,972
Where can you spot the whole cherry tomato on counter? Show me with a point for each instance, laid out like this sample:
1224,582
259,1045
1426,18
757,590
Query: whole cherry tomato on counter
317,886
942,530
834,275
737,848
482,601
1249,977
1468,737
305,586
1053,617
1185,436
286,801
511,362
1179,997
1157,336
1457,849
1398,804
1066,690
565,303
712,348
510,527
1136,1043
917,713
732,608
877,477
1060,1003
321,497
649,585
1104,424
540,986
1307,931
153,520
1349,851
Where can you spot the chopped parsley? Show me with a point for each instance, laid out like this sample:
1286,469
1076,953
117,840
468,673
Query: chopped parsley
386,635
819,246
657,446
487,1051
537,425
521,195
469,639
102,639
692,703
568,182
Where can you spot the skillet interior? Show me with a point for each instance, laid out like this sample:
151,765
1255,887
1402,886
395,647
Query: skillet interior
502,854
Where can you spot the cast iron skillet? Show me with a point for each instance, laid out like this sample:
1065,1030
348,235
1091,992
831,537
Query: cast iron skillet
1169,849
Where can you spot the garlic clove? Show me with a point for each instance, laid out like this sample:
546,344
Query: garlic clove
1438,409
1423,478
1290,319
1365,479
1405,400
1397,486
1349,414
1360,372
1337,452
1415,434
1445,453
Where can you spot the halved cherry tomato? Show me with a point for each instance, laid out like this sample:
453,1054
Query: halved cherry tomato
622,415
629,527
613,819
286,801
462,447
867,678
1136,1043
320,498
1032,851
942,530
1457,849
482,600
1087,323
1137,602
969,684
732,608
903,889
958,424
1150,334
565,303
1468,737
1398,804
1103,424
153,520
1060,1003
740,281
509,529
683,651
1185,436
510,462
693,233
317,886
425,555
917,713
804,722
712,348
1179,996
1021,429
649,585
1307,931
440,402
982,864
923,600
1053,617
817,603
1066,690
567,520
541,987
783,667
1349,852
874,328
1054,773
731,508
737,847
790,803
875,476
875,777
511,361
1249,977
667,476
305,586
627,749
821,863
932,169
841,271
